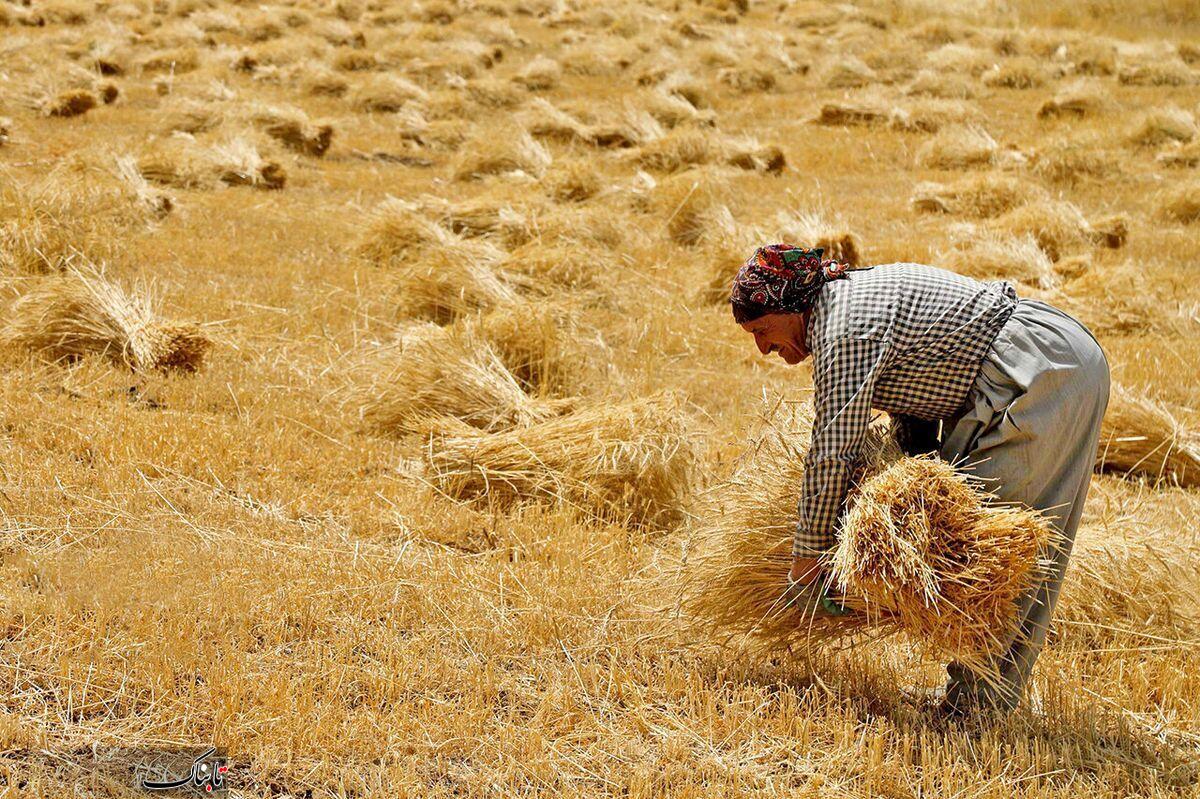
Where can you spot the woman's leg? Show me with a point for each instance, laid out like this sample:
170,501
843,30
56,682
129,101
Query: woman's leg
1032,438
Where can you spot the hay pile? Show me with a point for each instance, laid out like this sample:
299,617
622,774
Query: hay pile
81,313
1141,436
984,254
816,230
958,147
630,462
920,552
1182,203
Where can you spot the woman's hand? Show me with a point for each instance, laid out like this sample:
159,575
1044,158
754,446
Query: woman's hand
804,570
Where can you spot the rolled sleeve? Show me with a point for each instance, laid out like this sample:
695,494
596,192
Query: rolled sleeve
844,375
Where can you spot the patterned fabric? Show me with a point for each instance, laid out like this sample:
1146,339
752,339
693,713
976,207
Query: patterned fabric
780,277
902,338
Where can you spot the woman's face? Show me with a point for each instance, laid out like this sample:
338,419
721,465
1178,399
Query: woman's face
781,332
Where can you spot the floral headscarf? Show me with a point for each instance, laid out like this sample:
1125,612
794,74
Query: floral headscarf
781,278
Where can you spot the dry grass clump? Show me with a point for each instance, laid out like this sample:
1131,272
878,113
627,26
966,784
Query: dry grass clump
540,74
958,147
496,152
538,342
1142,436
1182,155
944,86
982,196
292,128
998,255
385,94
1071,160
494,215
922,547
560,265
680,150
433,373
861,111
70,103
1016,73
182,162
960,59
82,313
445,283
688,203
846,72
629,462
746,79
573,181
1080,99
1158,72
931,115
396,229
1181,204
1058,226
171,62
752,156
1163,125
816,230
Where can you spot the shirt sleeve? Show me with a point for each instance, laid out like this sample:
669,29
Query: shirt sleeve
844,375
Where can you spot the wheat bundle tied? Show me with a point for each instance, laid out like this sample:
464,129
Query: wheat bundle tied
626,462
81,313
920,551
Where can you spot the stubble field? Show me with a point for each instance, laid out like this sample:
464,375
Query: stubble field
365,366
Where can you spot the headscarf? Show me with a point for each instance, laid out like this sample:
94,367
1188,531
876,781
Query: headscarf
781,278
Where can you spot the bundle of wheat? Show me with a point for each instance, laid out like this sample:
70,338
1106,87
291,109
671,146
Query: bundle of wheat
687,202
1163,125
958,147
1145,437
627,462
81,313
981,196
497,152
740,547
432,373
385,94
1056,225
853,112
1073,159
998,255
1182,203
923,548
748,154
493,214
846,72
443,284
1016,73
541,343
573,181
1184,155
815,230
69,103
677,151
292,128
942,86
6,127
1080,99
561,265
396,229
182,162
931,115
1157,72
540,74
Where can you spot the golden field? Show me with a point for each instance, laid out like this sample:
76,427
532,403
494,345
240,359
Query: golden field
365,366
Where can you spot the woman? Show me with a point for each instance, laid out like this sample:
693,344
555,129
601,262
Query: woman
1017,388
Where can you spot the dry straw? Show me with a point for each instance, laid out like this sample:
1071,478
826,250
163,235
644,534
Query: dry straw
82,313
628,462
182,162
921,550
980,196
1142,436
434,373
445,283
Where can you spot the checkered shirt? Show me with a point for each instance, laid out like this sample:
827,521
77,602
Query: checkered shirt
902,338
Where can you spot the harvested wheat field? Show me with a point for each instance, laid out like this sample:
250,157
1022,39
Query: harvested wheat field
371,401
